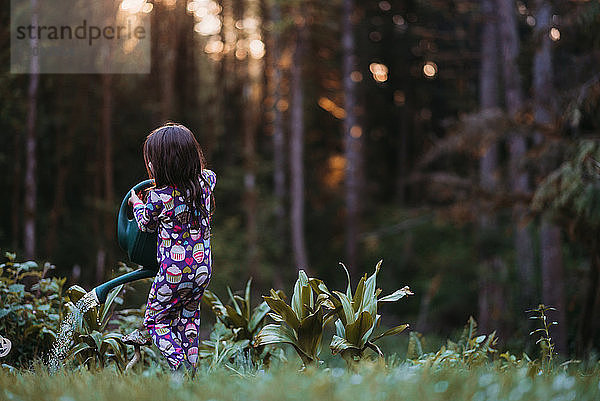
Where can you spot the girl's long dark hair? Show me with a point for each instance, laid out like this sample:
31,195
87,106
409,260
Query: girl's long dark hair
177,160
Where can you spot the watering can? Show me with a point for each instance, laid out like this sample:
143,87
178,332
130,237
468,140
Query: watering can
139,245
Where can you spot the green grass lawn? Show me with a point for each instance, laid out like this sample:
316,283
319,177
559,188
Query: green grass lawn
370,382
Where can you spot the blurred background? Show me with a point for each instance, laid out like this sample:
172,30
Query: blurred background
455,140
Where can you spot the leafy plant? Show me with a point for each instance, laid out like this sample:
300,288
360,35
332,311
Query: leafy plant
544,340
239,323
299,324
30,308
470,351
357,315
93,347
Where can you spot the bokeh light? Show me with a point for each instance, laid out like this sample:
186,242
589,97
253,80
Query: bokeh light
379,71
430,69
256,48
554,34
134,6
356,76
208,25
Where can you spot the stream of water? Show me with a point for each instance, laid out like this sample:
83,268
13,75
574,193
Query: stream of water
62,345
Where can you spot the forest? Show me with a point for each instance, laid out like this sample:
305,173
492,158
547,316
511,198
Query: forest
455,140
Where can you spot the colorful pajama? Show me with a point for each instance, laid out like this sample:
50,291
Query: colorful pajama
185,266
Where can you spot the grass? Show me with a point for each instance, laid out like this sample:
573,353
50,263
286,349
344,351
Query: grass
372,381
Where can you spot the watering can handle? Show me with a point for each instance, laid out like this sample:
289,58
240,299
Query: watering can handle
122,219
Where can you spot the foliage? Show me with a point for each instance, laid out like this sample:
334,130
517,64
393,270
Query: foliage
470,351
370,382
545,341
237,325
571,194
93,346
299,324
30,308
357,315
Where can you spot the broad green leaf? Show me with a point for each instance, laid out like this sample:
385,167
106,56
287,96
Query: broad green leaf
359,294
363,326
106,308
275,334
339,344
247,298
396,295
310,333
303,298
390,332
348,287
321,289
242,303
97,337
296,303
324,301
340,330
86,338
258,316
234,302
214,302
78,348
276,317
348,315
375,348
75,293
369,300
280,307
237,319
330,315
318,286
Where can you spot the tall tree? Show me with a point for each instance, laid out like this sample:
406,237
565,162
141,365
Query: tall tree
550,234
297,146
278,121
519,180
31,143
352,136
168,18
491,264
252,112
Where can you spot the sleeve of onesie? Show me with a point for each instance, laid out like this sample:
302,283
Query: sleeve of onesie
146,214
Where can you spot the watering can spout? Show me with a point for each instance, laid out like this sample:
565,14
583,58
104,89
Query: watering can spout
101,291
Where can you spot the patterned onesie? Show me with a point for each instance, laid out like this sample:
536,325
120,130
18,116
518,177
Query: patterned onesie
185,265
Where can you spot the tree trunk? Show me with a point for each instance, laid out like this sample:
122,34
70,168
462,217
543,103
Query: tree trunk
489,282
586,334
64,150
519,180
550,234
274,73
352,138
297,152
278,128
252,101
29,238
167,47
17,202
98,216
108,170
230,85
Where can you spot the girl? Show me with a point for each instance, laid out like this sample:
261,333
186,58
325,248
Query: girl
179,209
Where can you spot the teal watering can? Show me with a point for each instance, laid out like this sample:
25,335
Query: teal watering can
139,245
